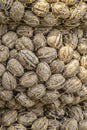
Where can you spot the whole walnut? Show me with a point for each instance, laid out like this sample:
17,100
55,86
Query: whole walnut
17,11
4,53
71,69
39,41
57,66
60,9
24,100
26,118
28,59
6,4
72,85
13,54
9,81
3,29
6,95
54,39
47,54
40,8
53,124
36,92
70,124
40,124
67,99
24,30
55,82
50,97
76,113
15,67
83,74
9,39
9,117
65,54
28,79
49,20
83,125
82,46
84,61
76,55
16,126
43,71
2,69
24,43
31,19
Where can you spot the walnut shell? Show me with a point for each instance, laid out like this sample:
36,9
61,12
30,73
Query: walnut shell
36,92
9,39
57,66
4,53
17,126
43,71
40,124
17,11
24,100
15,67
83,125
6,4
3,29
40,8
47,54
31,19
9,117
28,79
71,68
6,95
55,82
39,41
84,61
24,43
25,30
65,54
2,69
9,81
54,39
26,118
28,59
53,124
72,85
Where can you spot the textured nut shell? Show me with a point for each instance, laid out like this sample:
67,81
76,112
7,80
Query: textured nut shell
31,19
53,124
36,92
43,71
72,85
9,81
70,124
84,61
55,82
4,53
51,1
61,9
71,68
6,4
40,124
24,43
76,113
50,97
6,95
83,74
17,127
9,39
28,59
65,54
67,99
26,118
13,53
9,117
28,79
3,29
17,11
57,66
39,41
15,67
83,125
24,100
27,1
72,2
54,39
24,30
2,69
41,8
76,55
47,54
